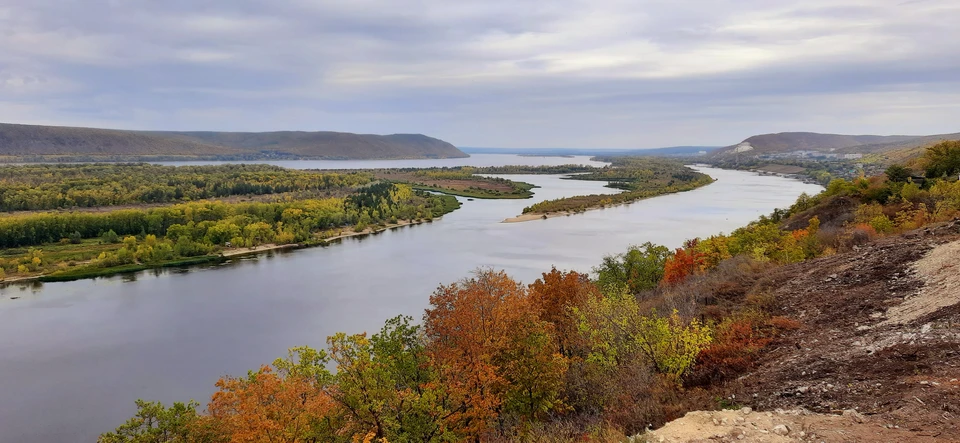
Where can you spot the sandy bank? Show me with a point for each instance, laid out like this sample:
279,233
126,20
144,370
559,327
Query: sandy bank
537,216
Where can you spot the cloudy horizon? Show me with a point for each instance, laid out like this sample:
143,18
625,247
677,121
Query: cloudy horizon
497,73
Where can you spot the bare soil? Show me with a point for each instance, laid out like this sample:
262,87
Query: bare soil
880,336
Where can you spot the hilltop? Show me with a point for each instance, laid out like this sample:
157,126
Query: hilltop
44,143
808,144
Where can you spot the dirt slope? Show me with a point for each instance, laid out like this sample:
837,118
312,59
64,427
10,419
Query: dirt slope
880,336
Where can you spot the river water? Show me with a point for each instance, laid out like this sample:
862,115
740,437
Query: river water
74,356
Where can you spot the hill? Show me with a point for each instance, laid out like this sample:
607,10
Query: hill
659,152
38,143
799,144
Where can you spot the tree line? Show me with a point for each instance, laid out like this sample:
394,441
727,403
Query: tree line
154,235
63,186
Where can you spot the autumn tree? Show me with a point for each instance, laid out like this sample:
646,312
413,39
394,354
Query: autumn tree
685,262
280,404
492,352
555,294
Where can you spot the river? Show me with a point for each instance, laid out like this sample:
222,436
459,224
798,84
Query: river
74,356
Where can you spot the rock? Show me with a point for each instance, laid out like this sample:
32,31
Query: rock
781,430
803,389
854,415
746,410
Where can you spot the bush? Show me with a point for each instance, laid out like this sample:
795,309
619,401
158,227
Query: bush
110,237
75,238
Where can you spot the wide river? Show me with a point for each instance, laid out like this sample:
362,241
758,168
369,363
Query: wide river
74,356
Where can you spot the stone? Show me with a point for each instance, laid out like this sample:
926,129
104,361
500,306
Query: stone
746,410
854,415
781,430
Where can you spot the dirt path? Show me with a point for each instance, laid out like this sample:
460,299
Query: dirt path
779,426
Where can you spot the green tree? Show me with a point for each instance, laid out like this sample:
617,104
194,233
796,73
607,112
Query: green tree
155,423
943,159
898,173
638,269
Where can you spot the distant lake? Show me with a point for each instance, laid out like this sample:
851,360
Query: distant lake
74,356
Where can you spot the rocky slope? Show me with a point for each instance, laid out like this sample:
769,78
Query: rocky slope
877,357
29,142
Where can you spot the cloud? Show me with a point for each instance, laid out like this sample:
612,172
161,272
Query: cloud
529,73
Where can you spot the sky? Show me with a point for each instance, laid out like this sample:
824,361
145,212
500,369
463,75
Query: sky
492,73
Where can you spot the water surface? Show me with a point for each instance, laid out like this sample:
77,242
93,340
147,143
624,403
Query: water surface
74,356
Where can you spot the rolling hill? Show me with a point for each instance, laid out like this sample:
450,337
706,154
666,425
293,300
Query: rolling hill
785,143
37,143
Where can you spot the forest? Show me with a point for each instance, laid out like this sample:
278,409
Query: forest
648,335
75,244
639,177
64,186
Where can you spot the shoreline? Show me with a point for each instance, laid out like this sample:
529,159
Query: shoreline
545,215
222,256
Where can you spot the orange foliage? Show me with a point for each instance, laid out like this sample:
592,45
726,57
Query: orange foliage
267,408
734,350
487,342
685,262
555,295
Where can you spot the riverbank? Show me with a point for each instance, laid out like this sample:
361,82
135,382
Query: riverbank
221,257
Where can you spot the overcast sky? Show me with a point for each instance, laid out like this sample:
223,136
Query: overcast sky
499,73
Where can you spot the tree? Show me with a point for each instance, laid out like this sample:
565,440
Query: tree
638,270
490,349
387,387
685,262
155,423
274,405
943,159
555,294
110,237
898,174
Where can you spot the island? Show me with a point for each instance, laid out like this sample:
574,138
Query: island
638,177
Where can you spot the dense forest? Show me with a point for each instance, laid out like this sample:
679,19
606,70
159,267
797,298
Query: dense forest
639,177
570,357
47,186
70,244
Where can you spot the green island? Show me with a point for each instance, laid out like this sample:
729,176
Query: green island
638,177
462,181
67,222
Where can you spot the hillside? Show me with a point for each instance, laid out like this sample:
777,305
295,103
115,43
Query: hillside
37,143
787,143
873,360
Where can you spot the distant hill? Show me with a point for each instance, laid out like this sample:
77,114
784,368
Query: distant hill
671,151
794,142
30,142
